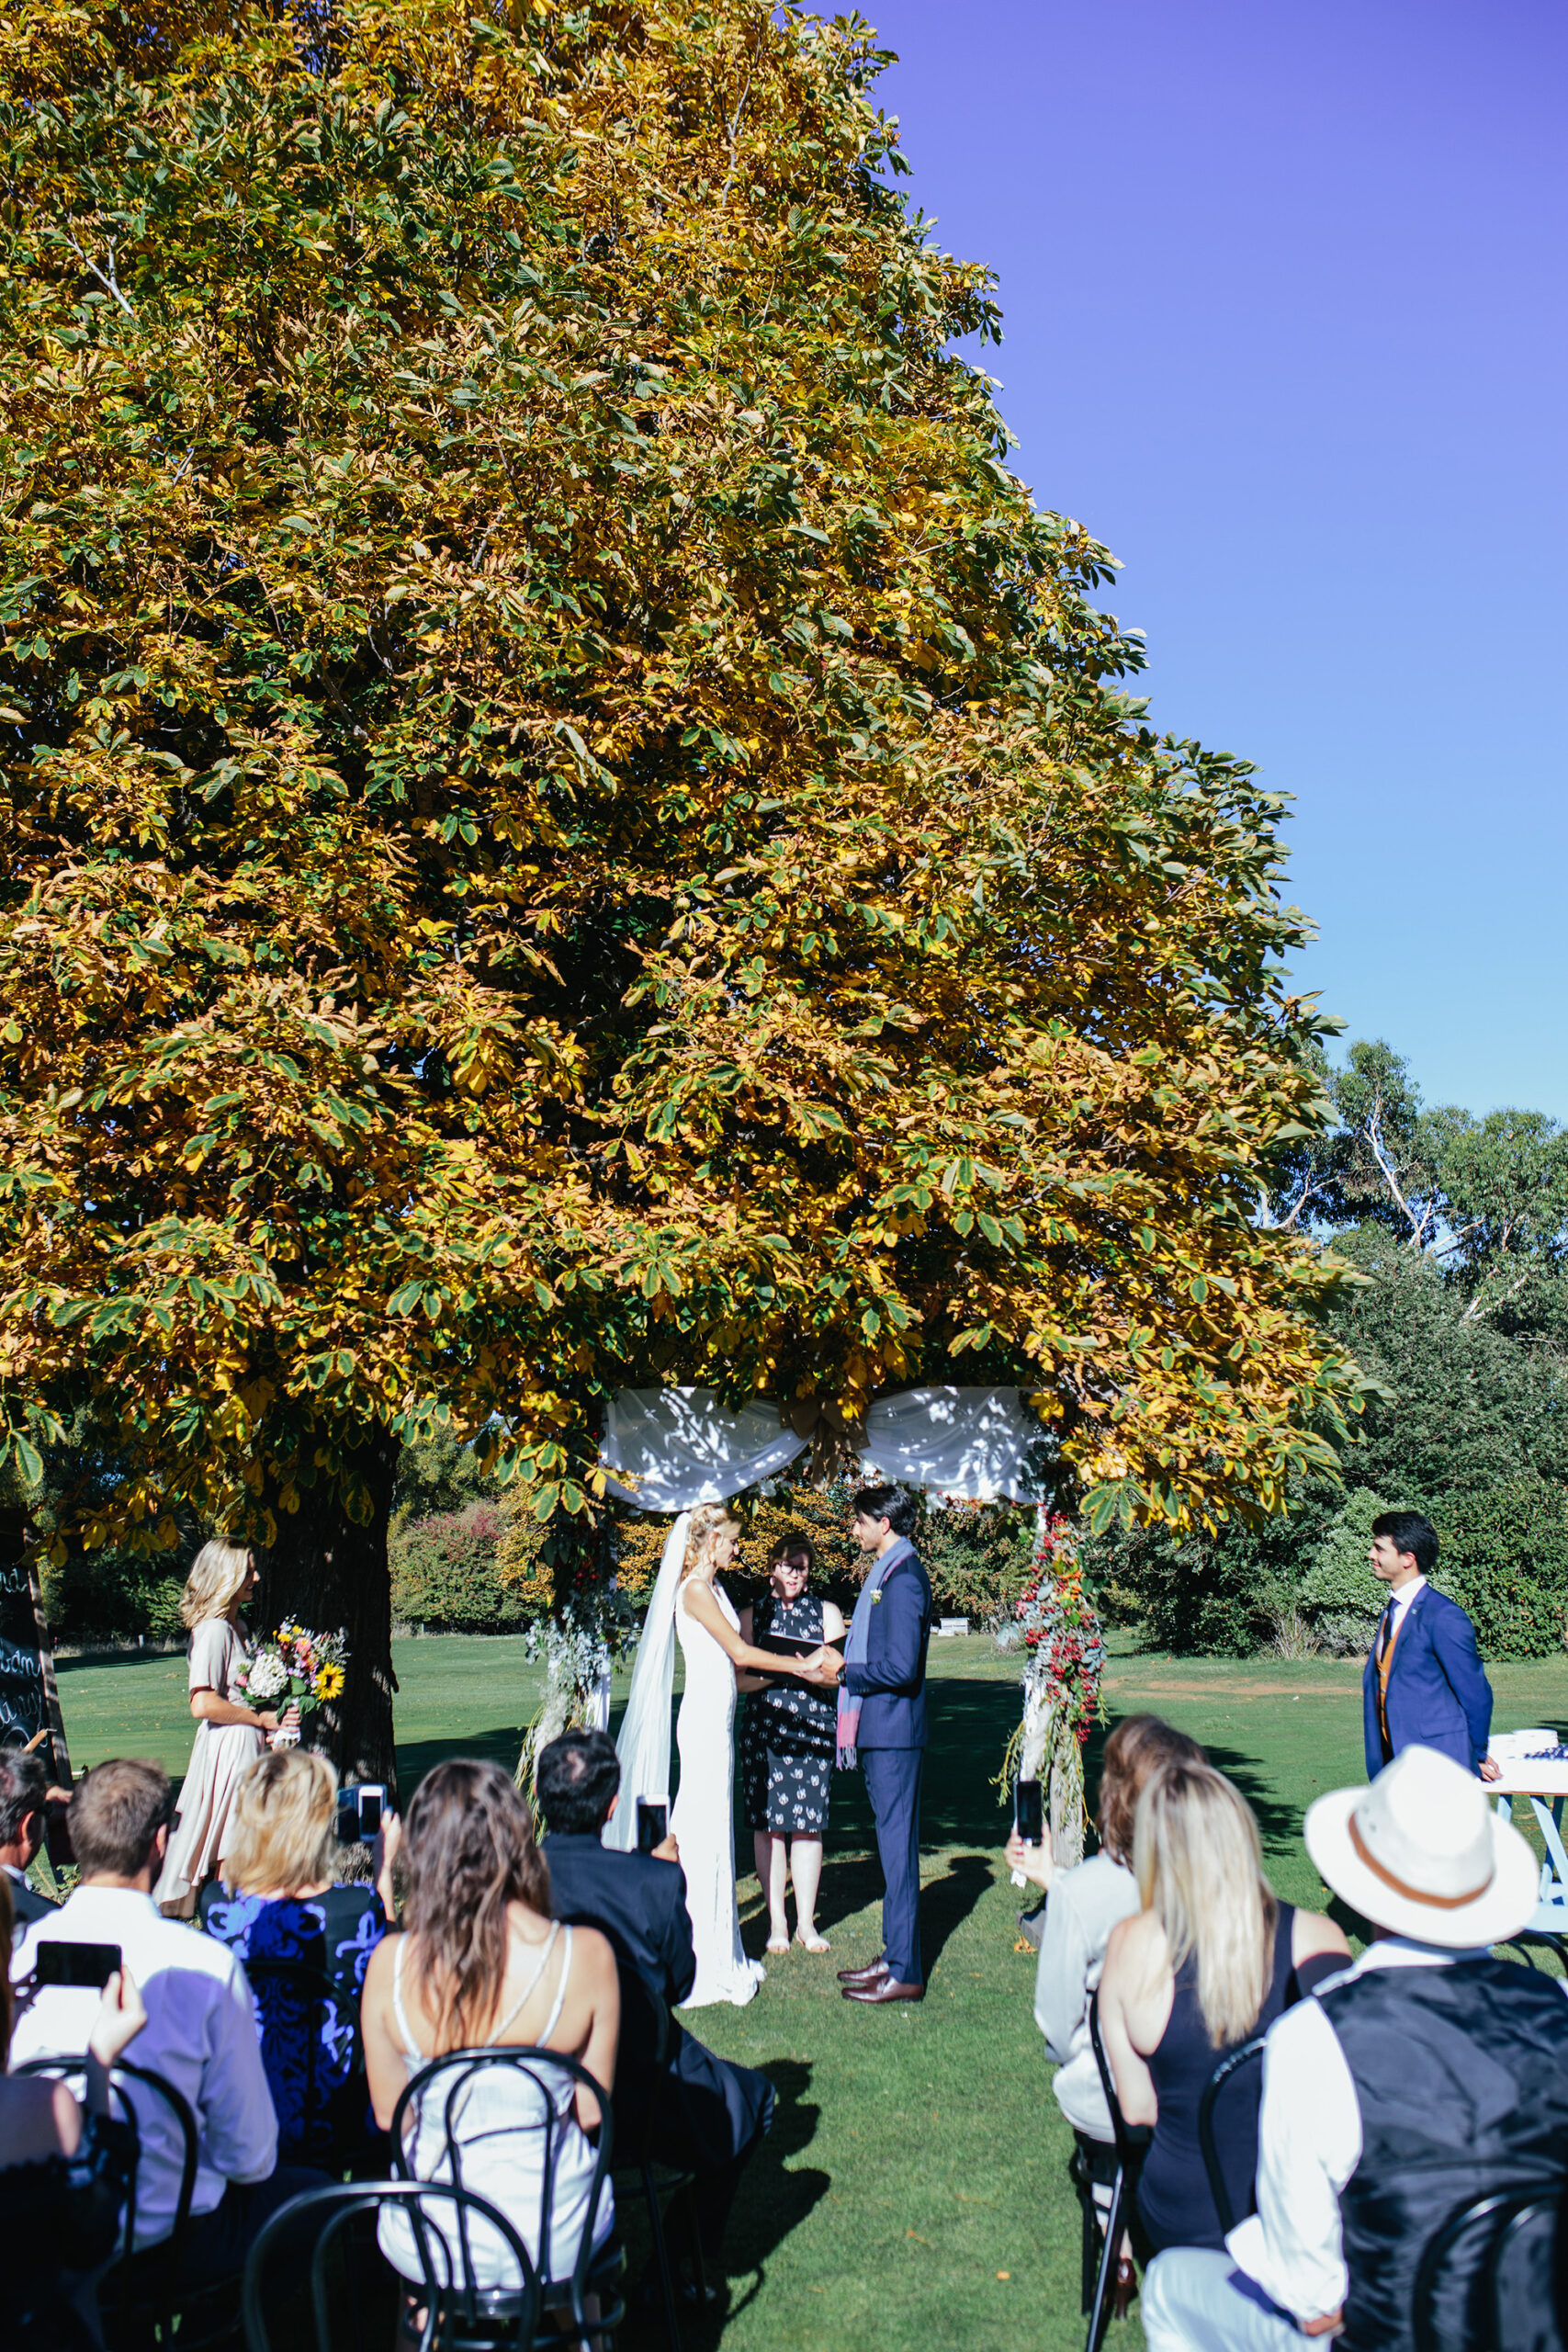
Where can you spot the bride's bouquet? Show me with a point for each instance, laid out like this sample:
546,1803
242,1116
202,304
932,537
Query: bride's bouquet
295,1667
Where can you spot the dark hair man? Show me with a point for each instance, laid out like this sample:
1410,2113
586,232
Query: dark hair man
1424,1680
712,2115
200,2033
882,1726
24,1791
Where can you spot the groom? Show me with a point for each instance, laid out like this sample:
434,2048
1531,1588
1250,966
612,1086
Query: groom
882,1723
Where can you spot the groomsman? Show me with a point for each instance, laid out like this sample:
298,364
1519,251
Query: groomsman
1424,1685
882,1725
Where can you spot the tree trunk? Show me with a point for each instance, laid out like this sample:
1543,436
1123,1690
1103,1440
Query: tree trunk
326,1571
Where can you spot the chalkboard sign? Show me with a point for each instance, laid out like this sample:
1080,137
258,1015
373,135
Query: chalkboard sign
29,1703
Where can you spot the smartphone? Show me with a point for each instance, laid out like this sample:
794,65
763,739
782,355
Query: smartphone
359,1812
1028,1812
89,1965
652,1825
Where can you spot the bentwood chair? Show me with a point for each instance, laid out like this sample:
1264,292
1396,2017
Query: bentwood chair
541,2086
1132,2143
139,2295
1492,2277
1250,2053
452,2312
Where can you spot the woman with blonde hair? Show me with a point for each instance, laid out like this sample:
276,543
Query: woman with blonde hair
688,1606
231,1734
703,1821
283,1896
1211,1959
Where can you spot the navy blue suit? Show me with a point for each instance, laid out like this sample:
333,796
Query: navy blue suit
1438,1692
711,2113
890,1684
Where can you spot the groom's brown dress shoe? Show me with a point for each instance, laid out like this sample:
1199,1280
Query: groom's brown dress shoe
885,1988
873,1973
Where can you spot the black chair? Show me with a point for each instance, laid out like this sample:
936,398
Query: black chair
642,2075
1514,2298
450,2080
1131,2141
140,2290
1249,2054
459,2315
299,2005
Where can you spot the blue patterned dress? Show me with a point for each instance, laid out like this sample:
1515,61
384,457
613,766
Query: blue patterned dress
320,2096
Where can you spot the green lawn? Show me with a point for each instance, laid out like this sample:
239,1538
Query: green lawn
918,2153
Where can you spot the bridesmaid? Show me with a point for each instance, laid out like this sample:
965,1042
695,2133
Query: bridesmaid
787,1740
230,1733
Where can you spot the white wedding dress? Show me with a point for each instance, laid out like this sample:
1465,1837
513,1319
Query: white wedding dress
703,1818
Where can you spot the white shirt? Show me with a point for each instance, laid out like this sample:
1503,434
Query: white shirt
1084,1904
1309,2143
201,2035
1400,1601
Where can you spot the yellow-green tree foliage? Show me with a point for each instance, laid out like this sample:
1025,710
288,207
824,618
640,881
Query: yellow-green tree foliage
566,818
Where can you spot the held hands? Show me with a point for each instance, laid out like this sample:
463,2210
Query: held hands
824,1668
122,2013
1032,1862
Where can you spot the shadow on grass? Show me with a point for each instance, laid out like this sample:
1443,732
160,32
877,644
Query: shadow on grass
94,1661
776,2196
418,1757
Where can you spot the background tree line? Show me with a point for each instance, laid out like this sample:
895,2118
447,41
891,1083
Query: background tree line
1458,1229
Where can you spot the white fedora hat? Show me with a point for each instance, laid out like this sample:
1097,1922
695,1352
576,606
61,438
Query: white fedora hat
1422,1852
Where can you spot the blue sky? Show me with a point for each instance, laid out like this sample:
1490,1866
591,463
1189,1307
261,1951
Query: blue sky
1285,317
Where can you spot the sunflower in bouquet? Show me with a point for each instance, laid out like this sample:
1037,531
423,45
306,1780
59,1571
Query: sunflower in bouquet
295,1666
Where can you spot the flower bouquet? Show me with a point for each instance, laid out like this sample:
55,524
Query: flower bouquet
295,1667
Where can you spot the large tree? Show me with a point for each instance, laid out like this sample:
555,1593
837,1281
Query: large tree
567,821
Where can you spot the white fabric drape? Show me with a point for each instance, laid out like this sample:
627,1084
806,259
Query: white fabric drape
644,1744
971,1444
670,1448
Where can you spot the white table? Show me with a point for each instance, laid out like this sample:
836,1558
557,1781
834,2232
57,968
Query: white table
1543,1786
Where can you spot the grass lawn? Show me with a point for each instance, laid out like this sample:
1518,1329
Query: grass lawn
913,2194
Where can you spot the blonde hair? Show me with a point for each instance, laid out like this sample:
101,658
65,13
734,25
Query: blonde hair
285,1824
1198,1865
709,1520
216,1575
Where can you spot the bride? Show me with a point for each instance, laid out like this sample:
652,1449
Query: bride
687,1600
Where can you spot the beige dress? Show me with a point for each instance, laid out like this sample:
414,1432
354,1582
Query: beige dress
222,1757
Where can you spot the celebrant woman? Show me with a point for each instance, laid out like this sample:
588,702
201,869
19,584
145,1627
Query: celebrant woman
788,1734
231,1734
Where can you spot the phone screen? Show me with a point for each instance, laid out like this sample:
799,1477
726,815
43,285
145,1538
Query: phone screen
651,1825
1030,1812
89,1965
370,1811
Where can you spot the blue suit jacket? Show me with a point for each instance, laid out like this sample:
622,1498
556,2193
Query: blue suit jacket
890,1680
1438,1692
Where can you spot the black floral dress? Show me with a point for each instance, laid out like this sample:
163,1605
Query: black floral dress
788,1734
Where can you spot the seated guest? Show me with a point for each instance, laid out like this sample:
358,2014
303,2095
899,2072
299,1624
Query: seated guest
24,1791
1209,1961
200,2033
280,1898
481,1963
1083,1906
1424,2077
64,2175
712,2115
